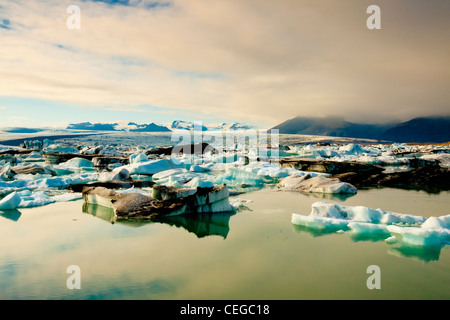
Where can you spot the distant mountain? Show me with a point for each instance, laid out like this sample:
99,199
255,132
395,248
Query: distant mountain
186,125
151,127
332,126
431,129
228,126
131,126
23,130
93,126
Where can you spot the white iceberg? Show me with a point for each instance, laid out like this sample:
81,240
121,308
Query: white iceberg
77,163
150,167
118,174
10,202
421,236
40,198
408,229
138,157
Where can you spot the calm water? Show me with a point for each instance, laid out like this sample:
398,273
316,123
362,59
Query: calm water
253,254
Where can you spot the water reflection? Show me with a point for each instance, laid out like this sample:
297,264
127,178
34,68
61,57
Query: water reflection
421,253
202,224
426,254
13,215
318,232
330,196
373,237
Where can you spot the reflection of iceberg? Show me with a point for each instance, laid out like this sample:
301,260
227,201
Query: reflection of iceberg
429,253
330,196
13,215
99,211
318,230
203,224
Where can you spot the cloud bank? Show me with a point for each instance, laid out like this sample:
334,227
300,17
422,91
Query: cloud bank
253,60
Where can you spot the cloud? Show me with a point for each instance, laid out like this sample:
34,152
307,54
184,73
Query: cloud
252,60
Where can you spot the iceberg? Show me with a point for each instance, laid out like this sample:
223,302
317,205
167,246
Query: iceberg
77,163
117,174
139,157
239,178
352,149
10,202
407,229
318,184
421,236
150,167
40,198
319,223
165,201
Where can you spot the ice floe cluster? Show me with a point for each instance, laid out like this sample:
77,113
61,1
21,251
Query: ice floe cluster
379,154
40,173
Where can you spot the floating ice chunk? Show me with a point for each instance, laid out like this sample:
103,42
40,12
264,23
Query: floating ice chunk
401,219
369,160
238,177
58,148
267,170
318,223
198,168
391,240
33,156
352,149
364,214
421,236
118,174
325,209
443,158
368,228
198,182
319,184
6,173
40,198
36,199
166,201
237,203
139,157
410,229
11,201
437,222
24,193
167,173
67,196
150,167
77,163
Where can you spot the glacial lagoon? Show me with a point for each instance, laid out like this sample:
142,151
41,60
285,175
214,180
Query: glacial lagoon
255,253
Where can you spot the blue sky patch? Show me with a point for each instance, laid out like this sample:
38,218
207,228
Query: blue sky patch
144,4
5,24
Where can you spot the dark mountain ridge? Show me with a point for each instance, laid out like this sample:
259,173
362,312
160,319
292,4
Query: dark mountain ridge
421,130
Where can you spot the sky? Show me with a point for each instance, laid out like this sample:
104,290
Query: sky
258,62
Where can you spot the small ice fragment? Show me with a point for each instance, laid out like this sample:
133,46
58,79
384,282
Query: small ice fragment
391,240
